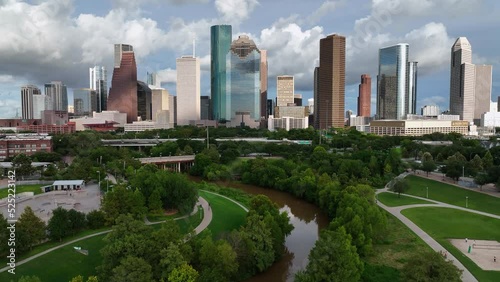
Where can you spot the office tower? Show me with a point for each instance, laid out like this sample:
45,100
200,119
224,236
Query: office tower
315,98
152,79
482,91
297,99
144,100
263,83
331,82
27,99
430,110
462,80
160,106
84,101
349,113
243,79
40,104
188,89
123,92
173,115
310,105
270,107
98,78
365,94
396,83
205,108
58,94
220,43
284,90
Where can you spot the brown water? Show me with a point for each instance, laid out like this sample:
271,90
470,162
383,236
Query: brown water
307,221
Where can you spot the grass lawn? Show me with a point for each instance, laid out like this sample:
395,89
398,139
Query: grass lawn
227,215
392,200
22,188
453,195
444,223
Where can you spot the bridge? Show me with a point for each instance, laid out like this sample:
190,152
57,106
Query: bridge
172,163
153,142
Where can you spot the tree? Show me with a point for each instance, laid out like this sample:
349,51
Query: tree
132,269
487,160
428,165
30,230
453,167
77,221
80,278
333,258
481,179
183,273
430,266
154,202
22,165
4,234
59,224
218,261
171,259
96,219
29,279
399,186
476,164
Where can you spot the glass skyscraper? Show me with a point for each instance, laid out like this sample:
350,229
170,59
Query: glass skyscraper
84,101
243,79
396,83
220,43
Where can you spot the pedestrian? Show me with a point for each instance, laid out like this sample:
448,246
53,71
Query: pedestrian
465,240
494,259
445,254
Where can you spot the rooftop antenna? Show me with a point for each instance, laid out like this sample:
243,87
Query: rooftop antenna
194,47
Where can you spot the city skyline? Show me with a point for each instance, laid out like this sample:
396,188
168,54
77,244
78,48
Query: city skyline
430,28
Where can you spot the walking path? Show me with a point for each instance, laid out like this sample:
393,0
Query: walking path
396,211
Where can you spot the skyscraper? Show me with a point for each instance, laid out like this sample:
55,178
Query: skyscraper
188,89
205,108
152,79
98,78
482,91
284,90
331,82
58,94
123,92
263,83
84,101
396,83
243,79
365,94
27,101
220,43
144,100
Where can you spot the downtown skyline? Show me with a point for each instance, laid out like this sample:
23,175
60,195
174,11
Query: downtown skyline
290,35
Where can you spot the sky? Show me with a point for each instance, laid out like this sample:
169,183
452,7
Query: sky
43,41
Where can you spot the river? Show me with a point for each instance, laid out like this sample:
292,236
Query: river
307,220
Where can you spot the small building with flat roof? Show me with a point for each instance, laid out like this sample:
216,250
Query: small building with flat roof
68,185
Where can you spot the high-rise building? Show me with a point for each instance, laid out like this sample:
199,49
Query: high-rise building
348,113
40,104
123,92
220,43
315,111
330,98
243,79
462,80
98,78
297,99
160,112
58,94
28,93
263,83
205,108
152,79
430,110
310,105
84,101
365,94
144,101
396,83
270,107
284,90
188,89
482,91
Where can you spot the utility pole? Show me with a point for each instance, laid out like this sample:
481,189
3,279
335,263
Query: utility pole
208,144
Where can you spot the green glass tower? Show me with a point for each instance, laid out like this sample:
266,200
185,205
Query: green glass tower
220,43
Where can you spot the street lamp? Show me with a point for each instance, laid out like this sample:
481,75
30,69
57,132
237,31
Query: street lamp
466,201
427,188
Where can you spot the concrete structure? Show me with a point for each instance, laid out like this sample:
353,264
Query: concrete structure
138,126
297,99
49,128
123,92
13,122
243,119
174,163
98,78
291,111
85,101
188,89
438,117
68,185
310,104
482,91
28,92
490,119
287,123
28,144
40,104
348,114
493,107
429,110
220,44
365,96
330,78
418,127
396,83
161,107
263,83
362,124
58,94
54,117
105,118
284,90
152,80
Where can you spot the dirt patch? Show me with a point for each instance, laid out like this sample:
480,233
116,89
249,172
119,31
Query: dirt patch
482,252
170,212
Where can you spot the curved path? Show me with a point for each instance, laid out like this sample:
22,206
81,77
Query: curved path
396,211
238,203
207,218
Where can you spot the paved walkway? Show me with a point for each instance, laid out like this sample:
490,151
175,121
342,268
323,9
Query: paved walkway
396,211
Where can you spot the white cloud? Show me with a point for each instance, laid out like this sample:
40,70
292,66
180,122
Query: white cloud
167,75
9,107
325,8
235,11
6,78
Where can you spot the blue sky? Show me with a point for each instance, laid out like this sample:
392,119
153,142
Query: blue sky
60,39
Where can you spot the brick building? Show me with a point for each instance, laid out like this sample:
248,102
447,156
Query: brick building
49,128
28,144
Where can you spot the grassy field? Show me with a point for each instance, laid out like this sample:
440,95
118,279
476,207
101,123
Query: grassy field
453,195
226,214
392,200
444,223
22,188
